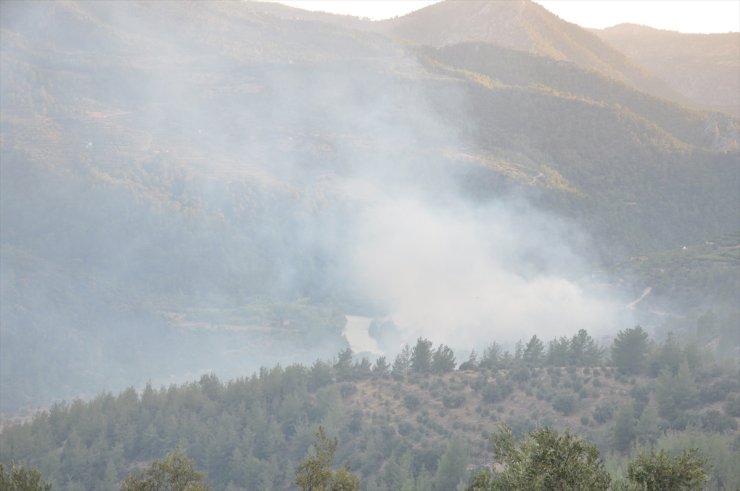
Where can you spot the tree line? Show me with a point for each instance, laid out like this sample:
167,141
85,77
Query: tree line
254,432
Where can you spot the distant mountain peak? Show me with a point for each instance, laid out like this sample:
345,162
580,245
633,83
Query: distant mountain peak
525,26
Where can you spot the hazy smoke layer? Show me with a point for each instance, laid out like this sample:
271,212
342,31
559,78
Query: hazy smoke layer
181,181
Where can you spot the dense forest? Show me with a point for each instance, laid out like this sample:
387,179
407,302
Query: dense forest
420,421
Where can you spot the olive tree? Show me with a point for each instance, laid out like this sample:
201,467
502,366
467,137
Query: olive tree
543,460
21,478
658,471
175,472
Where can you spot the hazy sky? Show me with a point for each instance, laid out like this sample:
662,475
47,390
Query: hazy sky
676,15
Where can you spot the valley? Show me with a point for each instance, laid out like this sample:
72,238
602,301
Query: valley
223,223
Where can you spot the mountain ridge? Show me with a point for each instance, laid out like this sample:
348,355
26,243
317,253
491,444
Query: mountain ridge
172,170
702,67
522,25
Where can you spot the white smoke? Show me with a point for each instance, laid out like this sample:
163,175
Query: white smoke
467,276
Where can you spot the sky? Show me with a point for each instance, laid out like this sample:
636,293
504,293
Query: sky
703,16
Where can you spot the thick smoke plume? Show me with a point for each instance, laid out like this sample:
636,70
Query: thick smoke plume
466,276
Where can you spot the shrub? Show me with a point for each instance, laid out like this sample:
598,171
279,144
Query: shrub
453,401
717,422
520,374
603,413
732,407
640,398
564,403
717,391
411,402
496,392
347,389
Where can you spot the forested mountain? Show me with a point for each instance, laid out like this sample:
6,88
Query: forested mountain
215,187
598,144
702,67
525,26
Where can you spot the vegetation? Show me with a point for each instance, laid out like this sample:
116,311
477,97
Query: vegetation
396,428
630,349
657,471
315,473
208,242
144,238
543,461
20,478
175,472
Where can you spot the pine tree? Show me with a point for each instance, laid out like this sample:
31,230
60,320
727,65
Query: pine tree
629,350
315,472
451,467
421,356
624,428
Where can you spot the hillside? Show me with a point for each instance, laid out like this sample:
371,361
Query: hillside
195,187
594,143
690,274
704,68
525,26
396,426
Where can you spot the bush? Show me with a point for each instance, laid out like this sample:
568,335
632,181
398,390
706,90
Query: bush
347,389
685,420
564,403
717,391
453,401
715,421
603,413
732,407
520,425
520,374
640,397
411,402
496,392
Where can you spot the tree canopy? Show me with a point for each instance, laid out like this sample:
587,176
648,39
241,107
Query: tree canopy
21,478
630,349
658,471
544,460
316,474
175,472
